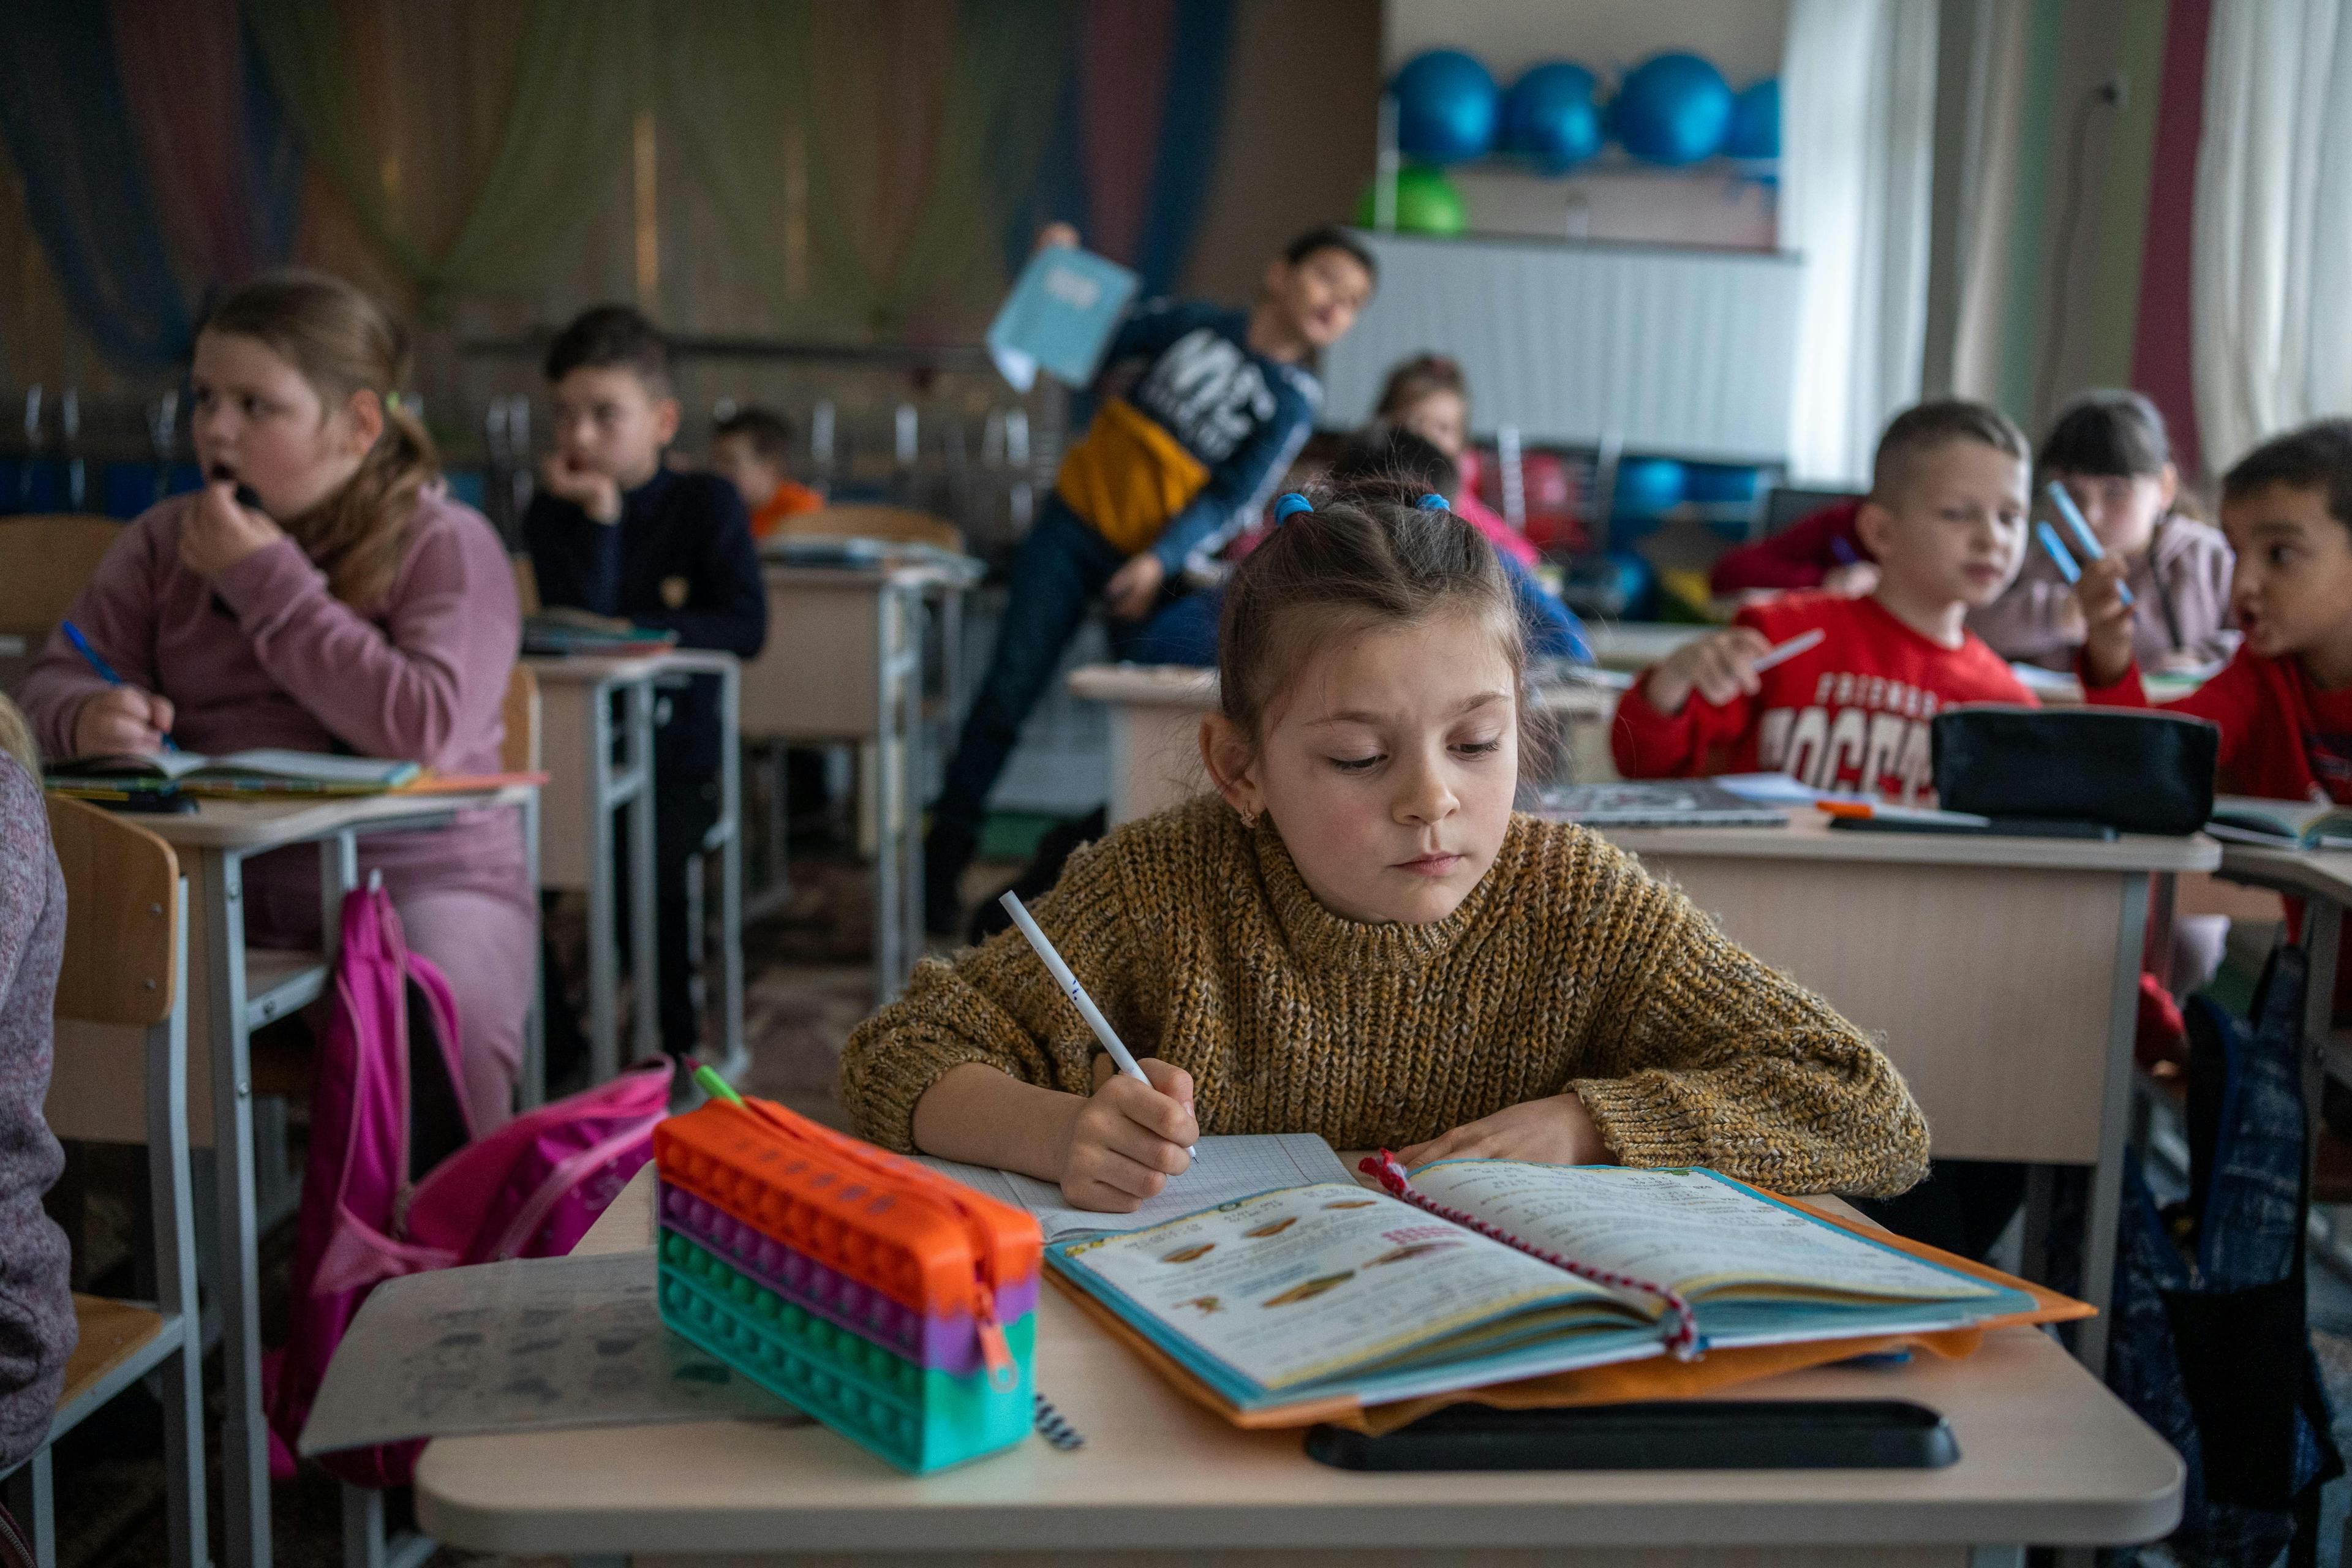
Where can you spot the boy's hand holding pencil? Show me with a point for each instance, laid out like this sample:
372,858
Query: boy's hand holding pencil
1722,666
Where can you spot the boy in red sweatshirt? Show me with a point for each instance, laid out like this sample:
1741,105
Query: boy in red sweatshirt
1946,521
2284,702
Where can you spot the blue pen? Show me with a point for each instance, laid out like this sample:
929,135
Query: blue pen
2064,562
2083,538
105,671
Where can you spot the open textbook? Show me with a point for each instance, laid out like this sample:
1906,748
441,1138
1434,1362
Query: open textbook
1222,1169
265,771
1334,1289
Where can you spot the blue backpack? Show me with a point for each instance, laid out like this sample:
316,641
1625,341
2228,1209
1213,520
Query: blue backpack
2209,1345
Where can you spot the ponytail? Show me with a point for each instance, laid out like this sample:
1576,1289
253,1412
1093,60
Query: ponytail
344,343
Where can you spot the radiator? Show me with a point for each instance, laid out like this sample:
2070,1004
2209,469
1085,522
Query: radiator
1683,352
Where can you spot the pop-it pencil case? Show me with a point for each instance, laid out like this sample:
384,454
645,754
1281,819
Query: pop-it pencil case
897,1306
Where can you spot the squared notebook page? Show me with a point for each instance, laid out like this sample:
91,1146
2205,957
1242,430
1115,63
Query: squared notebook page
1222,1169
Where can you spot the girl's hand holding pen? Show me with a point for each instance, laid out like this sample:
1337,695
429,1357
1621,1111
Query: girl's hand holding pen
1124,1141
2106,620
122,720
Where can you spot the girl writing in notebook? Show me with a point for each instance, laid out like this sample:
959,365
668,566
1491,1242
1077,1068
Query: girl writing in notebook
1357,936
341,602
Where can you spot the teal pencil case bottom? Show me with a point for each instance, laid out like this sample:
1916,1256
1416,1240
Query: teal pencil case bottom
920,1419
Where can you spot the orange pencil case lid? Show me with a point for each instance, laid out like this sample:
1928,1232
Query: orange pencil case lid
926,1240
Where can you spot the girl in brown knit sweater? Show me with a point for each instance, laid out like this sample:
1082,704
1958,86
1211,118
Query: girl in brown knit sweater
1357,936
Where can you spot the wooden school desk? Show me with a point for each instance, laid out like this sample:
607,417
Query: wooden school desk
844,663
232,991
2002,974
2047,1456
586,784
1155,730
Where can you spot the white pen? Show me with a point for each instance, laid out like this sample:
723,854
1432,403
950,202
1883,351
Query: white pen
1119,1055
1783,652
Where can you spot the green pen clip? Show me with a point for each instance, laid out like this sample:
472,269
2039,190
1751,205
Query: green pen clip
714,1086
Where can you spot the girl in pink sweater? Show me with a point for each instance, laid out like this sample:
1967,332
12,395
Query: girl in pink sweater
344,605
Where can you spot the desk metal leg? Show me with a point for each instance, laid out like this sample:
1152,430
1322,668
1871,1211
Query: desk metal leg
2114,1123
2323,931
244,1436
645,993
532,1081
889,784
916,611
603,959
731,866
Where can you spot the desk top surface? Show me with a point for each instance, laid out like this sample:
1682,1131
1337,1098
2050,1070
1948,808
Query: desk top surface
1809,836
2311,873
2047,1454
1192,687
257,824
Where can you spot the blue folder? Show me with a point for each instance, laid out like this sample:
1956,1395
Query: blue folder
1060,317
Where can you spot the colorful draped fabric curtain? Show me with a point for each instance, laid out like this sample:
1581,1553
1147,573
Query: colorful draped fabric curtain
878,169
1135,134
156,165
468,139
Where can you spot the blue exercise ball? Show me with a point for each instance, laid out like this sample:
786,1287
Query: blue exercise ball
1447,107
1756,121
1630,577
1673,109
1551,115
1646,486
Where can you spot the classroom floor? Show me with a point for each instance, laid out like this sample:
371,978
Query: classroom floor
808,985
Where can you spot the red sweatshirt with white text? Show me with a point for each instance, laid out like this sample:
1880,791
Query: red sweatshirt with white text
1850,713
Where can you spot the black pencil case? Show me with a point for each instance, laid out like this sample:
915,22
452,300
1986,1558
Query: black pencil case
2129,769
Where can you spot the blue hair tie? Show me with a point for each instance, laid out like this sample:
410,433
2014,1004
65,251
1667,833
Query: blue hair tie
1432,503
1290,505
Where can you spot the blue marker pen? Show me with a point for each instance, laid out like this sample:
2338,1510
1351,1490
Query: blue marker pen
2057,552
2087,542
105,671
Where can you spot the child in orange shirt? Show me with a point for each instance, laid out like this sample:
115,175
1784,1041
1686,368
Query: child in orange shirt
752,451
1946,521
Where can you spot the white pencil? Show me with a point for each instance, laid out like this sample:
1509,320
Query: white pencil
1119,1055
1781,653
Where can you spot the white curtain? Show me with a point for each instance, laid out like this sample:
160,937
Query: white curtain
2271,281
1857,152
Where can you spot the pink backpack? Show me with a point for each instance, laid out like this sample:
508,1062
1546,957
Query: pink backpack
386,1102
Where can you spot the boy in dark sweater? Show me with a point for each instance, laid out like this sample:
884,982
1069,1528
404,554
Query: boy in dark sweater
615,533
1199,412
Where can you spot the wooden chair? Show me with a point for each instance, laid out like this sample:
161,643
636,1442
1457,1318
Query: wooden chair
519,752
526,582
898,524
45,559
126,966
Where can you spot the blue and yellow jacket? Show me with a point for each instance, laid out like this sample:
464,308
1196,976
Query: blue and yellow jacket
1189,451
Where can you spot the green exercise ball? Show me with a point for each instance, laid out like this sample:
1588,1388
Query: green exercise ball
1426,203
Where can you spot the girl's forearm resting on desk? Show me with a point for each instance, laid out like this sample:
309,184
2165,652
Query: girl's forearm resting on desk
984,1117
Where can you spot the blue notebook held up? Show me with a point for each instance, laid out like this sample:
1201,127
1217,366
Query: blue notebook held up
1060,317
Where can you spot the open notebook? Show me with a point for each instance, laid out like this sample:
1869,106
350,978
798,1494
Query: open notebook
266,771
1333,1289
2282,823
1222,1169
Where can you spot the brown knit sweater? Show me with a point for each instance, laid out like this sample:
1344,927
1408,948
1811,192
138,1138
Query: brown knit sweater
1567,967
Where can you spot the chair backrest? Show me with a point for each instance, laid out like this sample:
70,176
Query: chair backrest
526,583
45,559
900,525
122,919
1787,504
519,752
